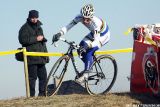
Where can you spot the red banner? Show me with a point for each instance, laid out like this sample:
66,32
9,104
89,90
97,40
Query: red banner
145,68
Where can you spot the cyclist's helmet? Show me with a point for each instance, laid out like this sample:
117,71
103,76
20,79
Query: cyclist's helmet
87,11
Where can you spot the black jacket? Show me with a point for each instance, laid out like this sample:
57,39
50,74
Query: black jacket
28,38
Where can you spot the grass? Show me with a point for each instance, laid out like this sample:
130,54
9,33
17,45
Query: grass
81,100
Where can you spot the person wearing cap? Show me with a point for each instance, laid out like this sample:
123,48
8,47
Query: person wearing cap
31,36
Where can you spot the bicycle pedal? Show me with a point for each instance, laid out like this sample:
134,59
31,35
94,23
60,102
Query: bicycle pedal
93,78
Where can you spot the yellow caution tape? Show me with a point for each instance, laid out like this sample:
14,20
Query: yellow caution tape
61,54
128,31
75,53
10,52
42,54
115,51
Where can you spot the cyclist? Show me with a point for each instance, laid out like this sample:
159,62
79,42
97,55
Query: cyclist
98,36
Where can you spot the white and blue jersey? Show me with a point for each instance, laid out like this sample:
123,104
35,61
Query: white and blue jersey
99,34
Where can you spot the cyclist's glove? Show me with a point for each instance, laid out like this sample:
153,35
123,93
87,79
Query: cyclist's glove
56,37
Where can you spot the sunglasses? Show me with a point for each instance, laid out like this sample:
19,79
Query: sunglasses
86,20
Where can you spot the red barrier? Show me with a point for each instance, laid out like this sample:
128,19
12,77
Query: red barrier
145,69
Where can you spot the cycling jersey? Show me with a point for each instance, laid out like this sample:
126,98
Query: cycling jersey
99,34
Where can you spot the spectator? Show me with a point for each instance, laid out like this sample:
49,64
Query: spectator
31,36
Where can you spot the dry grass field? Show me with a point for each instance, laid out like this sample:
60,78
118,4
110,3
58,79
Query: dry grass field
72,94
83,100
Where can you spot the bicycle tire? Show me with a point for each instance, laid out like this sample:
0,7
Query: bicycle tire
56,75
94,81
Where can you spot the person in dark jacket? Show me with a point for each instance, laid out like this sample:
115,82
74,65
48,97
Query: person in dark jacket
31,36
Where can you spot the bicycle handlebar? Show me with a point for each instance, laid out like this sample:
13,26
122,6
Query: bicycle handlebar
73,44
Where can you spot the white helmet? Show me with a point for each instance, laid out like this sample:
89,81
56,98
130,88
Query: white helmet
87,11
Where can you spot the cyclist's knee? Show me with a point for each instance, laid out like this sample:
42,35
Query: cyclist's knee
83,43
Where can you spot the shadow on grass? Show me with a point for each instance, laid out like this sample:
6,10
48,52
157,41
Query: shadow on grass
70,87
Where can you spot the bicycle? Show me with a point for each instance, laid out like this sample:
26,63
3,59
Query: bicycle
100,80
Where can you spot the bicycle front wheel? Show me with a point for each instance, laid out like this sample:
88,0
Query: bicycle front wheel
102,76
56,75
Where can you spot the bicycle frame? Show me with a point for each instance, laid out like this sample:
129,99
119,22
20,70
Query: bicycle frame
69,53
98,63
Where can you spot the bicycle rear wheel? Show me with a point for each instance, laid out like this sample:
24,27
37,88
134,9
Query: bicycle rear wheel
56,75
102,76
